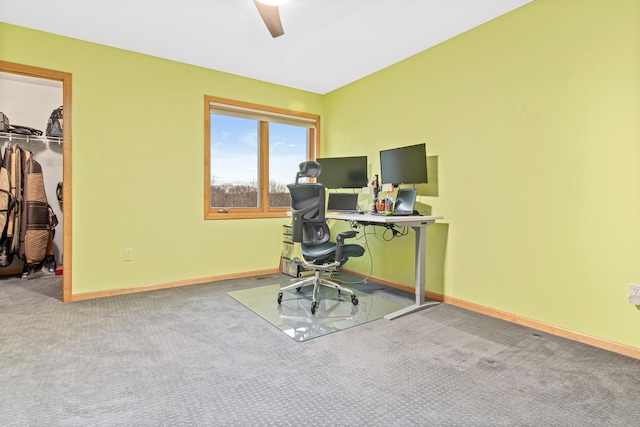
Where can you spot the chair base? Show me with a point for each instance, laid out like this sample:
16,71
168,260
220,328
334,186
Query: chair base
317,281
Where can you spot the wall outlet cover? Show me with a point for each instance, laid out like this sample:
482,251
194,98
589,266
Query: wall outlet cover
634,294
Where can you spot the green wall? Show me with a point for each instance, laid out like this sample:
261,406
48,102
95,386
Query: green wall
533,123
138,135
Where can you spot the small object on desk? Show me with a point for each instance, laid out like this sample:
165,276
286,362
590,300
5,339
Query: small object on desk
387,204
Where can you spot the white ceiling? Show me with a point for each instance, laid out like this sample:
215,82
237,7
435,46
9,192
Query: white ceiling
327,43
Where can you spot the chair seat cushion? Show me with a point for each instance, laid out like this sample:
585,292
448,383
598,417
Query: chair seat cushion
325,252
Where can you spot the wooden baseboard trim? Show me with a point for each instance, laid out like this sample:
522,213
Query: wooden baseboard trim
167,285
602,343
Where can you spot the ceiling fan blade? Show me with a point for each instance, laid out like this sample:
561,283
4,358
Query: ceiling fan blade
271,17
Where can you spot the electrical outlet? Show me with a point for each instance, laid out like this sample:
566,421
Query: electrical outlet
634,294
128,254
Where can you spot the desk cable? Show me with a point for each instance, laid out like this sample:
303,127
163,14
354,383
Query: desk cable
389,228
353,225
395,232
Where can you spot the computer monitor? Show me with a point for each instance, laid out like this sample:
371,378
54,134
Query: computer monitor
404,165
343,172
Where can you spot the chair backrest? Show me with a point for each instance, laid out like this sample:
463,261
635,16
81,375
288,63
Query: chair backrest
308,225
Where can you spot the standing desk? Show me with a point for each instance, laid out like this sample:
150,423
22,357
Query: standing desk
419,225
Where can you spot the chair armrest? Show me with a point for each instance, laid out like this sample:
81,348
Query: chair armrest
345,235
340,241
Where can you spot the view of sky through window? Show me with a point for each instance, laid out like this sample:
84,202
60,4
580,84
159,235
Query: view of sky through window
234,150
287,149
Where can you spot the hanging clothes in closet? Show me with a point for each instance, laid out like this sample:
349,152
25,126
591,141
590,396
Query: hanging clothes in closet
30,221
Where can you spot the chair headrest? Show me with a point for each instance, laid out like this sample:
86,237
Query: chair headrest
308,169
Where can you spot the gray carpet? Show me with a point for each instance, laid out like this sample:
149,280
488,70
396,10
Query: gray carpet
194,356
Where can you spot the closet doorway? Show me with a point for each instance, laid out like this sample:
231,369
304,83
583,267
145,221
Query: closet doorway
51,79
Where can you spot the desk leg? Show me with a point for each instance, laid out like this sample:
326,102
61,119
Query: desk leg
420,266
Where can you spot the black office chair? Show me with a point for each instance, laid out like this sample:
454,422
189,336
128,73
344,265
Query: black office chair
310,235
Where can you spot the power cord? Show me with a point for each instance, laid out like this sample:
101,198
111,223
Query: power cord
394,231
353,225
391,229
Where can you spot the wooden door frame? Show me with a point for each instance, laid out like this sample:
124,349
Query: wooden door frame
65,78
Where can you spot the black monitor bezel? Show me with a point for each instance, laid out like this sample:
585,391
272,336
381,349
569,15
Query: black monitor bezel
331,180
404,165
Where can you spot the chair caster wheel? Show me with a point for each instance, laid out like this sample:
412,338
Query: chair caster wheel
279,297
314,307
354,300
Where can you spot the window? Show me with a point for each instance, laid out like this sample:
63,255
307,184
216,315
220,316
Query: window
251,153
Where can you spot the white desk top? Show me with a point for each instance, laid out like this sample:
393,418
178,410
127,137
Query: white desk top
411,220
